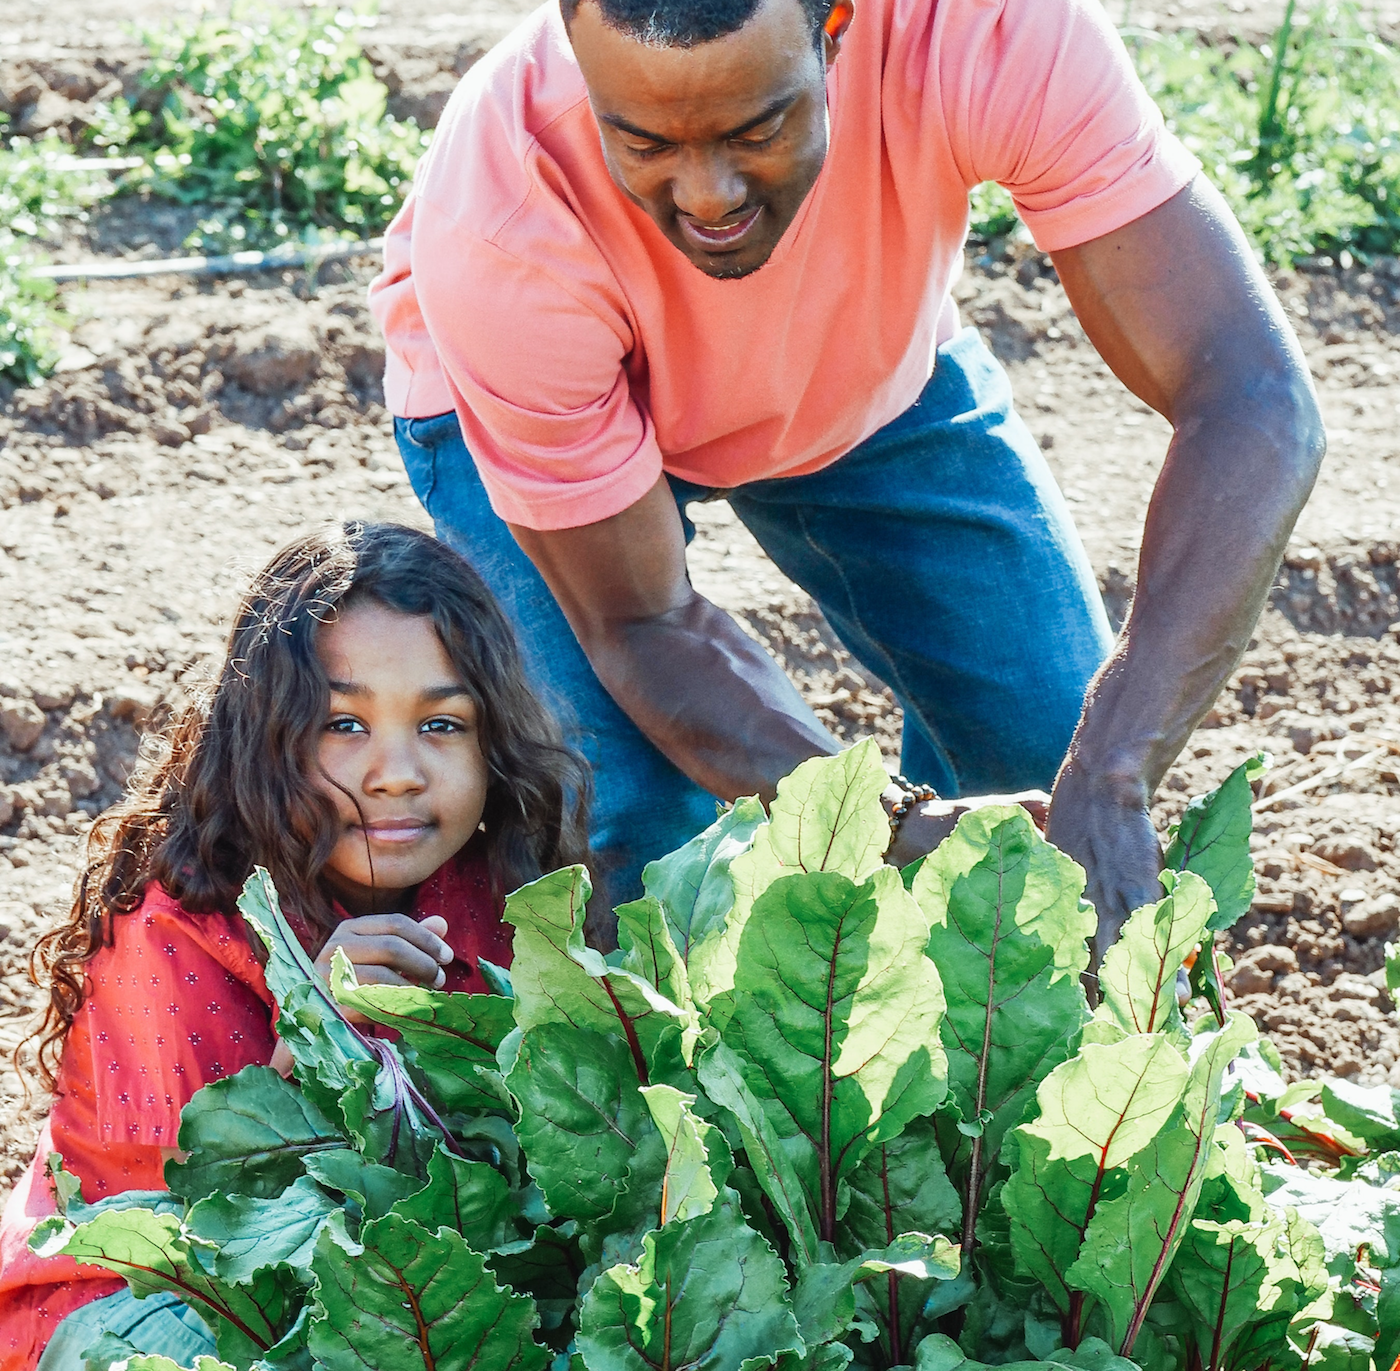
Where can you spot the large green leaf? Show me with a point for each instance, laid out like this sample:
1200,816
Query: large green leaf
376,1189
1349,1215
1098,1111
155,1254
769,1154
900,1186
938,1352
1366,1111
1138,977
708,1294
687,1187
582,1116
836,1016
1237,1280
1130,1240
451,1037
303,998
827,817
558,978
694,885
253,1235
248,1134
1008,933
404,1299
470,1197
1212,839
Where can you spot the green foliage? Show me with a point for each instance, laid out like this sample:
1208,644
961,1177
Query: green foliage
29,318
273,118
41,184
757,1136
1302,134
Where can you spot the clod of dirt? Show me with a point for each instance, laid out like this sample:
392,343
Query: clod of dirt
1254,973
22,722
1376,918
273,360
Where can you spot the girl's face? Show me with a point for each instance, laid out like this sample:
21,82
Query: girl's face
401,739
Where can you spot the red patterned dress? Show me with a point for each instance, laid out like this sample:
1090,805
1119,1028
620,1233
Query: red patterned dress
176,1002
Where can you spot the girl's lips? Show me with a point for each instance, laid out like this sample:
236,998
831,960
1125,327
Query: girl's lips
395,830
718,238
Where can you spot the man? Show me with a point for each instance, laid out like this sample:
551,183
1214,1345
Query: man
669,250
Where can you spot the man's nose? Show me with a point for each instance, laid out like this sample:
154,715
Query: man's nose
708,187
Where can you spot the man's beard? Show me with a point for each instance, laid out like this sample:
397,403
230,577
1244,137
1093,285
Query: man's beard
736,273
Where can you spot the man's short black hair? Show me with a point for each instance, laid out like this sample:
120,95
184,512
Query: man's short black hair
687,23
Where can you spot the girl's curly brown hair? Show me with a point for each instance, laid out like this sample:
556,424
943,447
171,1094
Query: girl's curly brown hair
226,787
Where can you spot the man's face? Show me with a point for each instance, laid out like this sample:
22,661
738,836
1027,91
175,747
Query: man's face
719,143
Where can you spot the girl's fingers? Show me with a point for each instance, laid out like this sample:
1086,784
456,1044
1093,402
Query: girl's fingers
424,936
394,954
384,975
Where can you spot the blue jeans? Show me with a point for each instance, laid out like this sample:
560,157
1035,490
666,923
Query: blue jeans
159,1324
941,552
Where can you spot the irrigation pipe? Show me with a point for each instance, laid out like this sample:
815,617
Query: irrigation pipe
233,264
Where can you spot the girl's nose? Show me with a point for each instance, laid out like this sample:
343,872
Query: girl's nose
394,769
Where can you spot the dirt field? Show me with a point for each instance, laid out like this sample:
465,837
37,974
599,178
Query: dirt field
193,428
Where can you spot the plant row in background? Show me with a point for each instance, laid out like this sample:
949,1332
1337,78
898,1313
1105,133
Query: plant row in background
274,121
814,1113
270,120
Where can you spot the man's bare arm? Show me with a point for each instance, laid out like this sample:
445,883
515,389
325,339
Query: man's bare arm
709,697
1177,306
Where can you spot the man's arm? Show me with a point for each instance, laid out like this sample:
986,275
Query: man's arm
709,697
1177,306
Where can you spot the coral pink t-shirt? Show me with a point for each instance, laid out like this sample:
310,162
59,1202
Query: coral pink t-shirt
584,354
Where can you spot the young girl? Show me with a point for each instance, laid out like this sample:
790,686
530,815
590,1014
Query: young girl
373,743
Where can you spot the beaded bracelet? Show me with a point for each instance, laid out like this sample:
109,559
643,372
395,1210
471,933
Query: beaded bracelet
913,795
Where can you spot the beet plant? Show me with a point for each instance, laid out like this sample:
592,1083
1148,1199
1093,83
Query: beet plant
814,1113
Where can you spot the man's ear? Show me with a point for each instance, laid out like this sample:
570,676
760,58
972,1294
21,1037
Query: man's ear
838,20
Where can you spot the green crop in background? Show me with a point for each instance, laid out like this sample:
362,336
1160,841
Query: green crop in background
275,120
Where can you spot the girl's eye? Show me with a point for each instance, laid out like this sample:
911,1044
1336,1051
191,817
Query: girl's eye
443,726
346,725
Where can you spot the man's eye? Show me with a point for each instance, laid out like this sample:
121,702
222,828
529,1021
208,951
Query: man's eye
646,149
344,725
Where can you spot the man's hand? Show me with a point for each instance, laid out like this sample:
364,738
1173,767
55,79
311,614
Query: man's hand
926,825
1177,306
1108,830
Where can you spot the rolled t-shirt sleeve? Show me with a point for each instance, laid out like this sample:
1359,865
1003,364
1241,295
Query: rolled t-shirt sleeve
1041,97
535,356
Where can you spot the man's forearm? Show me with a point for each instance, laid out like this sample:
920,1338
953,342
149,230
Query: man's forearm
709,697
1236,477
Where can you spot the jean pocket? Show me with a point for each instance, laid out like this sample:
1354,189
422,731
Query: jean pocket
418,442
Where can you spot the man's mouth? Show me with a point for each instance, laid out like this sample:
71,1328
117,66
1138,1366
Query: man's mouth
395,831
718,237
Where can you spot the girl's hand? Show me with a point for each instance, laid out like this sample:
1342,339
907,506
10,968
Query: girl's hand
390,949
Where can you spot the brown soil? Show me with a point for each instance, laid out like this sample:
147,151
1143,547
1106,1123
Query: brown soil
193,428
